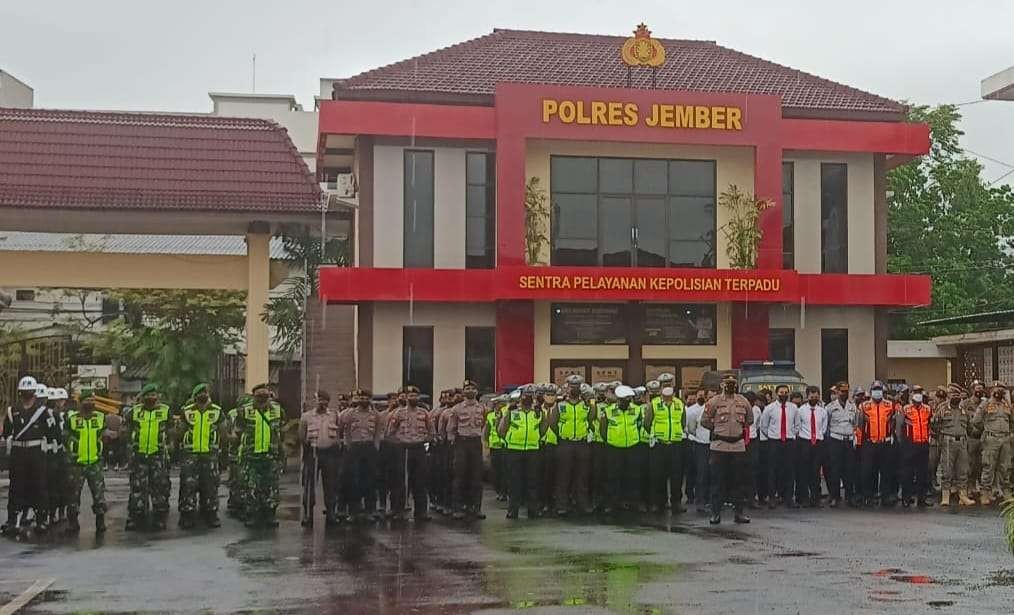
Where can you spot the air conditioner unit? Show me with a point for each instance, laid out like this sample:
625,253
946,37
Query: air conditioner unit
345,186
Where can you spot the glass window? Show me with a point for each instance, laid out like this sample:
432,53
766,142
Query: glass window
834,218
587,323
480,356
417,358
22,294
645,213
788,216
680,324
782,344
480,210
418,203
834,358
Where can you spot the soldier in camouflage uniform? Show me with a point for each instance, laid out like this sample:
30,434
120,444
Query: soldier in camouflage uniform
202,423
994,419
148,451
969,406
950,423
234,482
261,457
84,457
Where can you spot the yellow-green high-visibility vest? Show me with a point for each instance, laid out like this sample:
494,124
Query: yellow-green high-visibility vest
263,423
85,442
495,441
201,435
667,420
623,428
573,424
150,426
523,432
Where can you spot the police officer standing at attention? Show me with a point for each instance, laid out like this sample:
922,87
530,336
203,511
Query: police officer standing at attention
361,430
666,422
413,429
969,407
572,419
912,425
318,433
842,417
149,460
465,423
875,418
994,419
57,468
621,424
522,427
26,429
727,415
952,425
202,423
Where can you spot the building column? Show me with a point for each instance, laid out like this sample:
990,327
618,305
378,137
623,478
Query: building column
749,333
767,184
515,343
258,260
881,324
510,201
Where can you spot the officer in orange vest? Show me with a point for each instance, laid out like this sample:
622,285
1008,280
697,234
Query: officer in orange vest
912,425
877,447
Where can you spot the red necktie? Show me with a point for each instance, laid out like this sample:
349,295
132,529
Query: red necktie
784,421
813,425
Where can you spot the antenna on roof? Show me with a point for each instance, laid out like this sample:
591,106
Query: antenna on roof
253,87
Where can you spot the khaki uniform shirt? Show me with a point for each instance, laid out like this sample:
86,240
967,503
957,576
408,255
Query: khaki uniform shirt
727,416
950,421
994,418
319,429
360,425
969,407
466,420
411,425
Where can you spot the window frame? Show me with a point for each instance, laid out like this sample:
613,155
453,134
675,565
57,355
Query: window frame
488,260
772,332
789,215
425,387
842,228
484,387
405,236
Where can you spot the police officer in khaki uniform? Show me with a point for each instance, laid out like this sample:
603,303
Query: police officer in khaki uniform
994,418
969,407
728,415
465,423
951,425
413,429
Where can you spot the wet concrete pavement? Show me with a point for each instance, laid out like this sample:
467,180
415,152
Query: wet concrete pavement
834,561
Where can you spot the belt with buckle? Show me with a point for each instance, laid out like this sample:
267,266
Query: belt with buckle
841,437
27,443
954,438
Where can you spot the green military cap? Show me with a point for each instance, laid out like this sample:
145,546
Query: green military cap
198,389
151,387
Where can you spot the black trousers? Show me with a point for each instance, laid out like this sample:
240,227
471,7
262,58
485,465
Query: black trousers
359,474
439,473
624,476
878,469
28,487
728,479
809,457
643,479
690,469
410,476
755,451
524,469
665,470
573,466
840,470
599,474
56,479
914,470
782,468
467,474
547,482
702,491
498,466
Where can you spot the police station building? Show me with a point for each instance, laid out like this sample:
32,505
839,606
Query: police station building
534,204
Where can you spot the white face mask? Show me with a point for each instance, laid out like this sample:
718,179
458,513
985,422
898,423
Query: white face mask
917,398
877,394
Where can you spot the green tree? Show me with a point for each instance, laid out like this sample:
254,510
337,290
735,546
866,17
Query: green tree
945,220
176,335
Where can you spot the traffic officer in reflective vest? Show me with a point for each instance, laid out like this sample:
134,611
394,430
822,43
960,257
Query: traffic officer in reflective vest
994,419
665,421
465,423
27,431
621,423
572,420
599,478
875,419
728,415
148,451
522,427
202,422
952,424
496,447
84,453
261,457
913,428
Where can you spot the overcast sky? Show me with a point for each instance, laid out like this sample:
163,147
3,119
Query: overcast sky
166,56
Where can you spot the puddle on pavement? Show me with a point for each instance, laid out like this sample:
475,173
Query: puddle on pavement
939,604
796,554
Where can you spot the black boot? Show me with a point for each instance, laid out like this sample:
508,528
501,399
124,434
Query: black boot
716,518
131,524
100,523
73,527
187,521
741,516
211,518
159,524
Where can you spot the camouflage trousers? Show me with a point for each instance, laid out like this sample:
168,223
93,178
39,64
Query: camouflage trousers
260,482
149,480
996,462
77,476
234,483
199,479
953,464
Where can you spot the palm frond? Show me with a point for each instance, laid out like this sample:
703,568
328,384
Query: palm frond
1007,513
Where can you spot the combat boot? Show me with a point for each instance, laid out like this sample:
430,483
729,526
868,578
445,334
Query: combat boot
131,525
159,524
73,527
963,498
100,523
186,521
986,500
945,498
211,518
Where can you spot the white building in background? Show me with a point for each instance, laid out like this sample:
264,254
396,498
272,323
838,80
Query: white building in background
14,92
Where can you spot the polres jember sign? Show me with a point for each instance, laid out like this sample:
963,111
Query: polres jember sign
629,114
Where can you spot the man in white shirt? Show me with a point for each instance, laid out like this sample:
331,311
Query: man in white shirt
809,448
842,418
780,423
701,445
753,448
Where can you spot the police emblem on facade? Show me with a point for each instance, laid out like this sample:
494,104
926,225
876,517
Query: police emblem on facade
642,50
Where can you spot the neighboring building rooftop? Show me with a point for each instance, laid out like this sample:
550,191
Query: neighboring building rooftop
150,161
468,73
212,245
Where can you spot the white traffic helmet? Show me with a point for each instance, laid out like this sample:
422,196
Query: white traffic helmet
28,384
42,391
58,394
51,393
624,392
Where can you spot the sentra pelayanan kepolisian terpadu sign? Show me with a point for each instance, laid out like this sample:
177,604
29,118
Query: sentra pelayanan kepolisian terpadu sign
652,282
656,115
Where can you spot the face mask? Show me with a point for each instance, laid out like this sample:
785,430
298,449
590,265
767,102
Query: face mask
471,393
998,395
955,401
783,398
202,399
877,394
980,394
917,398
843,398
411,401
261,398
730,388
700,401
814,401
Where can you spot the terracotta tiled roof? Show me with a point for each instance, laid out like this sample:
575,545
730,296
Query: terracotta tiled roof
150,161
469,72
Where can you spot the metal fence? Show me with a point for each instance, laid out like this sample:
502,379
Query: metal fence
47,358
